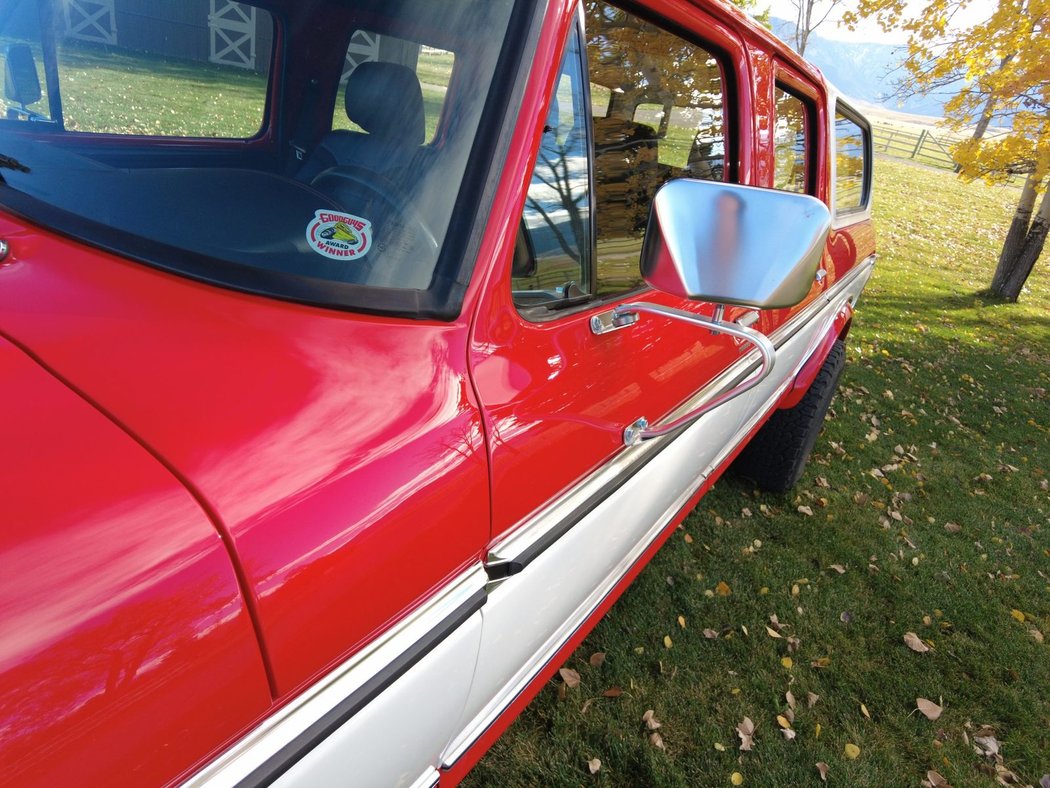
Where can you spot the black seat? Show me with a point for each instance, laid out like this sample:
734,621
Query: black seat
21,83
386,101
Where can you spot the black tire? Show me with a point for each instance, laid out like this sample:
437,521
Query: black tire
776,456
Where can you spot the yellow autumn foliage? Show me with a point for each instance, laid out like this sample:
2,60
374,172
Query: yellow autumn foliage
1004,63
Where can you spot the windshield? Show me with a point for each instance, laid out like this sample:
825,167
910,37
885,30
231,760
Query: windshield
182,134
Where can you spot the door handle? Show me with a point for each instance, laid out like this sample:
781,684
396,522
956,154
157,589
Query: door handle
613,320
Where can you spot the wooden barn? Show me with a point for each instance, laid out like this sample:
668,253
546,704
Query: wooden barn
215,31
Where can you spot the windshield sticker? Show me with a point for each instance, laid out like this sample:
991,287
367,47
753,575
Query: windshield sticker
340,236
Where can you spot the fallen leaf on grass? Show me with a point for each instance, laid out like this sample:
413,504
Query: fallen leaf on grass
613,692
782,721
667,641
816,731
650,721
710,634
657,741
594,765
773,633
790,700
845,617
1036,635
929,709
570,677
935,780
723,589
681,621
746,731
811,699
864,711
915,643
736,778
805,510
822,770
838,568
986,745
1018,615
720,747
852,751
597,658
787,662
820,662
952,528
788,733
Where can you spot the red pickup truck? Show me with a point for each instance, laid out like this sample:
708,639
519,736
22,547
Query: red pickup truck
357,354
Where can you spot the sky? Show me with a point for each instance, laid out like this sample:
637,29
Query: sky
868,30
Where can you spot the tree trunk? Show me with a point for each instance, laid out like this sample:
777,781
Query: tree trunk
1024,242
989,107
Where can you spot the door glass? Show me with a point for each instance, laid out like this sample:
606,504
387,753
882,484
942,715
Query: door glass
551,259
657,102
790,169
850,164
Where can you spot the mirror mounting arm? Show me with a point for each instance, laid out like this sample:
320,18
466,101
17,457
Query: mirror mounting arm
640,430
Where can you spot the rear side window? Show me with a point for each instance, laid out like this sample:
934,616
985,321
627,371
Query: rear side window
852,164
163,69
658,105
791,143
433,67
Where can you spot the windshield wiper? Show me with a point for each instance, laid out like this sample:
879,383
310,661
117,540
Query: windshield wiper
7,163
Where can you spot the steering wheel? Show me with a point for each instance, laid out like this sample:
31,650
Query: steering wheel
401,234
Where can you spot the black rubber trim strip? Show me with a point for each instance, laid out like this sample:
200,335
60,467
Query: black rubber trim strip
517,564
285,758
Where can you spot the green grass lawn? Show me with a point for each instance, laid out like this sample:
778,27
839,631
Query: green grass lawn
930,514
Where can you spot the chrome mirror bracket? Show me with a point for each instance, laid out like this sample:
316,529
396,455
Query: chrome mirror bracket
640,430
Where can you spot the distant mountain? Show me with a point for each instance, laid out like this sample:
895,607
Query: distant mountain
865,71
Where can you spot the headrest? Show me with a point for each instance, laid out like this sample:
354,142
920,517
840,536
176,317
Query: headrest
385,99
21,84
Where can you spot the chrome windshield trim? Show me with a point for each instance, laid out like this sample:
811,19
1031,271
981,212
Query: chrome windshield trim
511,553
285,736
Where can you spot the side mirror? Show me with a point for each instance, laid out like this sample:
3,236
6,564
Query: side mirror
734,245
730,245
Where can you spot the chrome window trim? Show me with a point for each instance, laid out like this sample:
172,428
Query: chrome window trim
241,763
511,553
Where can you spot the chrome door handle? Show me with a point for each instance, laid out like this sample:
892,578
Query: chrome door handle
613,320
821,275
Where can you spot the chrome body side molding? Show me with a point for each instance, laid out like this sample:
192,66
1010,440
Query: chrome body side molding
512,553
506,625
572,553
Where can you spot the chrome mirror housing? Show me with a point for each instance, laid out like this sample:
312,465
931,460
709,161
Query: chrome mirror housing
734,245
